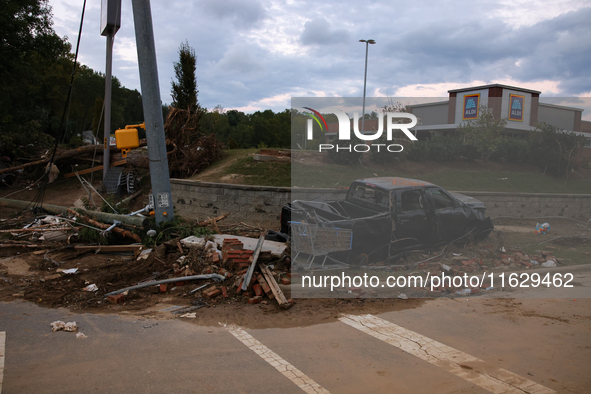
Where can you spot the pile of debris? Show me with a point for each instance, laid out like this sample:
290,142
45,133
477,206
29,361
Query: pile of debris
251,273
193,151
204,271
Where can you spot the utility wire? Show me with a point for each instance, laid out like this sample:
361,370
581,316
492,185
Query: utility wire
41,194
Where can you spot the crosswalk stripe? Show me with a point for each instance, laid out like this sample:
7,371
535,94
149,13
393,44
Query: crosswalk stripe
459,363
2,352
289,371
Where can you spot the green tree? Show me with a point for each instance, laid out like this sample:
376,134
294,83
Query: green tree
35,66
184,90
484,133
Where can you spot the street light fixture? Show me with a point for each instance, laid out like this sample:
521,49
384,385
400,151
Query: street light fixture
367,42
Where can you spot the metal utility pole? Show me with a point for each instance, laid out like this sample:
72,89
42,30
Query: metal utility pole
110,23
367,42
107,103
146,53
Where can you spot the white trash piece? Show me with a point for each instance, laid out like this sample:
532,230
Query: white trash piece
92,287
403,296
81,335
549,264
59,325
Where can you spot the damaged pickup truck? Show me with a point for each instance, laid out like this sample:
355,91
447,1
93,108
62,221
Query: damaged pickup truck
392,215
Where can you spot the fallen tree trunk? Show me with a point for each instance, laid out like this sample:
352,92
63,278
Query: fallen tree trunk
64,155
56,210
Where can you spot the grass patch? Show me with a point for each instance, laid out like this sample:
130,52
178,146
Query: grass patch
261,173
332,175
325,175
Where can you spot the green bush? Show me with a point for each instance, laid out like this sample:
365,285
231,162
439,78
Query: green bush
555,151
417,151
513,150
444,148
343,156
470,152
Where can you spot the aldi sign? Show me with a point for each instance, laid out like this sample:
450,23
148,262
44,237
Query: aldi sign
471,105
516,107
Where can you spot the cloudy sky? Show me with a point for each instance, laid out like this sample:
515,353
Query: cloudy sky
257,54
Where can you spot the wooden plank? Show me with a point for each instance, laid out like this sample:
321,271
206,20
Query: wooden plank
279,296
255,257
109,248
97,168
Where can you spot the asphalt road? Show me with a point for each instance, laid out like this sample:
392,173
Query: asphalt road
462,345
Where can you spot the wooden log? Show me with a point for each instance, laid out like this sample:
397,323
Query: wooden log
56,210
109,248
97,168
64,155
117,230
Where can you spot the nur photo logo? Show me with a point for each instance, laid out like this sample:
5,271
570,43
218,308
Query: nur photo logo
344,130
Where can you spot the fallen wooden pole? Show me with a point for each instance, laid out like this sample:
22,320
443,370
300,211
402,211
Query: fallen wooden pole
93,169
117,230
109,248
64,155
56,210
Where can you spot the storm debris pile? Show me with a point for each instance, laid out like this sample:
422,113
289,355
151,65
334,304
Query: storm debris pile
193,151
196,271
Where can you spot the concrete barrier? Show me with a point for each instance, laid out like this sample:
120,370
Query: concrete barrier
261,205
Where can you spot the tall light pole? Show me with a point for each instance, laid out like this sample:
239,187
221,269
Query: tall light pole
367,42
110,23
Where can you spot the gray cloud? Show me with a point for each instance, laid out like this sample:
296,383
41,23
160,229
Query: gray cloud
251,51
318,31
243,13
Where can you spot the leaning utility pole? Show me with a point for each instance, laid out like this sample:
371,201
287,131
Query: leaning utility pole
156,141
110,23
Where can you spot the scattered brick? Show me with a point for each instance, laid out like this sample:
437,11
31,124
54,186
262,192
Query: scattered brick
257,289
212,292
255,300
224,291
163,288
116,299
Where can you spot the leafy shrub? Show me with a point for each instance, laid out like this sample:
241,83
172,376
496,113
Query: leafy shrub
513,150
554,151
444,148
417,151
470,152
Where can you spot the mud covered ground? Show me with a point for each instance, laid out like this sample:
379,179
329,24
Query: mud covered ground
32,275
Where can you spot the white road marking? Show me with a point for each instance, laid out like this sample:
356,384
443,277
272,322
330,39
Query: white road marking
459,363
2,352
289,371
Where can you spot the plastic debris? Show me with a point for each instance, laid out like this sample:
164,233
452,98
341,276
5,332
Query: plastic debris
68,271
192,315
549,264
92,287
403,296
59,325
81,335
144,254
542,228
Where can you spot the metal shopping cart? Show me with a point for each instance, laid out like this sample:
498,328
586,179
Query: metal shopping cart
314,241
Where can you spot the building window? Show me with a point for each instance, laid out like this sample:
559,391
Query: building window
587,143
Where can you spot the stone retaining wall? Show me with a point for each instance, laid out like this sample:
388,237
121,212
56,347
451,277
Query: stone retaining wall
261,205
